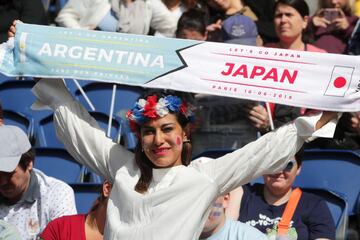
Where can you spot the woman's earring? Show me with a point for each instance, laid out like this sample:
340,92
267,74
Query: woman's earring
186,141
142,149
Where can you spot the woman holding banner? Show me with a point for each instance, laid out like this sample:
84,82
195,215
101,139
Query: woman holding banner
291,19
157,193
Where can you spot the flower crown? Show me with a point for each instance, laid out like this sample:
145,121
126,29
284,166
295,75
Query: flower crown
153,108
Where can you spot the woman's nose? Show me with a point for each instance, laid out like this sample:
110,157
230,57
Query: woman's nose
159,138
283,18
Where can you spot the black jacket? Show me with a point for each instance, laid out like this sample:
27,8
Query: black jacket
28,11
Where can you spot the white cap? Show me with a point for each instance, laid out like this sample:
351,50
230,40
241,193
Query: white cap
13,144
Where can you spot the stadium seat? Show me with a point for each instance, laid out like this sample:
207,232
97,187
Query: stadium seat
336,170
4,78
92,177
58,163
100,96
46,136
20,120
128,138
337,206
85,195
16,95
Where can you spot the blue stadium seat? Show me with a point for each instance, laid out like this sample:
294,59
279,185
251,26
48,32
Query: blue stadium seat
85,195
338,208
46,136
100,95
128,138
16,95
336,170
58,163
20,120
4,78
92,177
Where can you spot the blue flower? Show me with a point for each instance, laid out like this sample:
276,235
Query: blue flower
174,103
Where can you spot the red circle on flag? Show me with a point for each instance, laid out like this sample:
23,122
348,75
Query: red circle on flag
339,82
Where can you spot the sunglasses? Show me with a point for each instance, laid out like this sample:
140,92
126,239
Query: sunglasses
289,166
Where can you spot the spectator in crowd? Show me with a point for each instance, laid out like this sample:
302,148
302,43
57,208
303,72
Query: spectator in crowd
258,11
82,226
8,231
263,205
215,111
219,227
177,8
28,198
294,38
221,10
28,11
291,17
155,184
332,25
192,25
265,16
126,16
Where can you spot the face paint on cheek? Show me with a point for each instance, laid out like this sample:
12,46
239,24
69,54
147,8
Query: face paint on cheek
216,214
178,140
217,209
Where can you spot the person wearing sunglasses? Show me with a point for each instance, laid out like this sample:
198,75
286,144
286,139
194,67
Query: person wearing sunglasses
262,206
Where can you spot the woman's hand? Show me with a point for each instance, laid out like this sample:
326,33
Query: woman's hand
319,21
341,22
258,116
214,26
325,118
12,29
355,122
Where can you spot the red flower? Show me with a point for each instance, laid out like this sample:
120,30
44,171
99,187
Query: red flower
150,107
183,108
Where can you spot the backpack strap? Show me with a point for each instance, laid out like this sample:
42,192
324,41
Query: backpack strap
288,213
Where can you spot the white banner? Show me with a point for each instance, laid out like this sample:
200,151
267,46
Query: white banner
304,79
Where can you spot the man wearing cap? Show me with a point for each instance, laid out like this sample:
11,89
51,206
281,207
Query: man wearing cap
28,198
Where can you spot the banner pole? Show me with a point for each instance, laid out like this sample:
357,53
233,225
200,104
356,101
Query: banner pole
84,94
111,113
270,116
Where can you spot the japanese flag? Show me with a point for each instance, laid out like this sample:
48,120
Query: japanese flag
340,81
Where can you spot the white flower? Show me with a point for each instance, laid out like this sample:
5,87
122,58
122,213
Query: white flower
141,103
161,107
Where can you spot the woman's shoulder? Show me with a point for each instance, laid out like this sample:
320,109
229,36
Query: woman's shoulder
312,48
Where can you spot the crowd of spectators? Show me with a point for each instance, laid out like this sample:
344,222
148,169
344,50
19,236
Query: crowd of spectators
30,200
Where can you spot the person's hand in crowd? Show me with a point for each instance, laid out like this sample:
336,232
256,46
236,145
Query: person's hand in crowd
214,26
341,22
258,116
325,118
12,29
355,122
319,21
